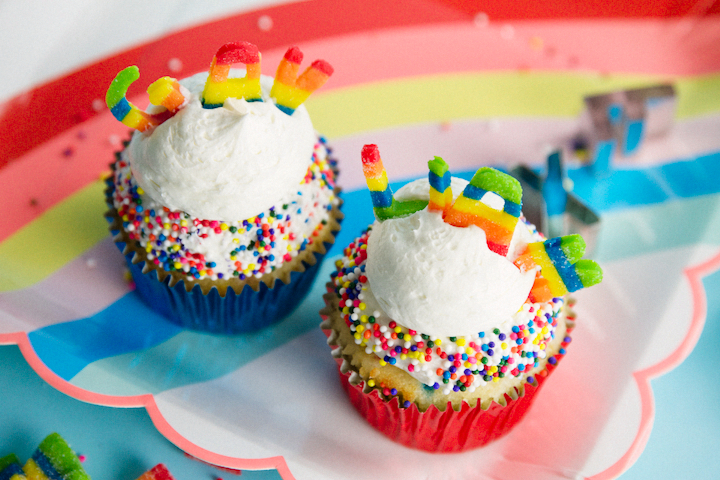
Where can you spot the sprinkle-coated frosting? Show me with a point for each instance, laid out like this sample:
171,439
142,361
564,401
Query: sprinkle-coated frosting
218,250
449,364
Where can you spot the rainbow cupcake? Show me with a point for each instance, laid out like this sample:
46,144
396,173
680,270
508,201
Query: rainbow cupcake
224,200
449,312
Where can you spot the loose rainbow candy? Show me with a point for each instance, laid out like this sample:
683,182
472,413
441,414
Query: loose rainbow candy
219,87
158,472
289,90
54,460
165,92
384,204
499,225
441,196
562,268
10,468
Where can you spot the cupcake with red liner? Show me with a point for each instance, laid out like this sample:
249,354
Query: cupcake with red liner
224,200
448,314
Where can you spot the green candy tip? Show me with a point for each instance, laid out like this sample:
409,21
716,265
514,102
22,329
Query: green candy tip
120,84
399,209
65,461
573,246
8,460
438,166
494,180
589,272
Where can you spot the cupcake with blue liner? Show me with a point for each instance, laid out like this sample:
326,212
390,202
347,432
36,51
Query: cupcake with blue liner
224,200
448,314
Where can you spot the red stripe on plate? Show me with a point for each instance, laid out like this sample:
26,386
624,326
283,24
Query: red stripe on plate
32,118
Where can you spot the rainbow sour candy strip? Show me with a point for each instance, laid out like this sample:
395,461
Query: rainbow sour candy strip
10,468
54,460
441,197
158,472
289,90
165,92
384,205
123,110
561,265
499,225
219,87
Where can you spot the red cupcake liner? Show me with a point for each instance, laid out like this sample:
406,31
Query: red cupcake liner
443,432
433,430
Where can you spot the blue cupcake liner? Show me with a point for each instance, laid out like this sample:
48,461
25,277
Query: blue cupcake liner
233,313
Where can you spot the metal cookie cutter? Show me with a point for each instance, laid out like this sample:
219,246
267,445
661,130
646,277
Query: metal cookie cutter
554,210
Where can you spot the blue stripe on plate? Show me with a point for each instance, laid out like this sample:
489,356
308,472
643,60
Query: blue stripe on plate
125,326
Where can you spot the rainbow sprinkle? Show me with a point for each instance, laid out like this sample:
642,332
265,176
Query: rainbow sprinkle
165,92
219,87
289,90
384,204
499,225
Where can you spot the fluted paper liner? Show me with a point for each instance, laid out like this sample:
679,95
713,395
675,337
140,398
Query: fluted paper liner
433,430
224,306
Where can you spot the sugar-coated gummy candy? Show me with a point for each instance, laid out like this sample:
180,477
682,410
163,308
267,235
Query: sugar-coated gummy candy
11,468
54,459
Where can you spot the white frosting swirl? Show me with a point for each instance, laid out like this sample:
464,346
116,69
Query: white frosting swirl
227,163
442,280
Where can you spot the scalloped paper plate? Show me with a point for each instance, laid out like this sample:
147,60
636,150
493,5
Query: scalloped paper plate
272,399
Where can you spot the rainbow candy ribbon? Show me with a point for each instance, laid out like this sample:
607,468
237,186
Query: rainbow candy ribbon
163,92
384,204
289,90
10,468
441,197
54,460
499,225
219,87
561,265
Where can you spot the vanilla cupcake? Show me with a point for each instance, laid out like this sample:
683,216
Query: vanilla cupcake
224,200
448,314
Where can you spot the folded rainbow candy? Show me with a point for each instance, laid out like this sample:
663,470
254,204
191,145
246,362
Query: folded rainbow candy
562,268
384,204
54,460
441,197
289,90
10,468
219,87
163,92
499,225
158,472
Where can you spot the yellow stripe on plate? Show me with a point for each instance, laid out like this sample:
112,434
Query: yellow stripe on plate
441,98
57,237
